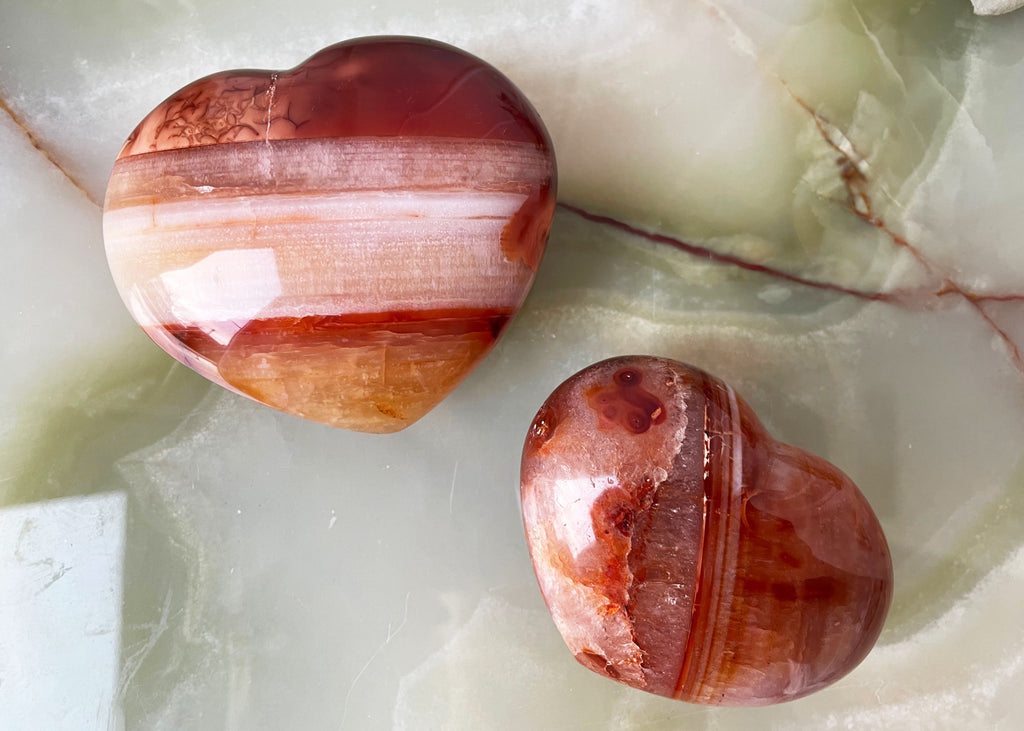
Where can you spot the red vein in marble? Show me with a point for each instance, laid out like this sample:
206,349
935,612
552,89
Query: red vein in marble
858,202
38,145
982,297
949,287
853,172
718,257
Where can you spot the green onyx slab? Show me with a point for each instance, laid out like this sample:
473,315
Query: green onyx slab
816,201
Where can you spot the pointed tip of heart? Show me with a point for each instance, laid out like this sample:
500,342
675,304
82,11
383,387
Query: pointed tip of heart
370,374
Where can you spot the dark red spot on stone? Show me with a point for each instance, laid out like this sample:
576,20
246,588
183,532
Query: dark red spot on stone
542,429
626,403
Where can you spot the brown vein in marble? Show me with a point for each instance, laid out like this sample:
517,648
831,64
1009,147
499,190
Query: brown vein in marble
853,171
38,145
852,167
702,252
949,287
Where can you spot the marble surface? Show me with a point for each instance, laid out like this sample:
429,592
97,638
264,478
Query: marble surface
815,200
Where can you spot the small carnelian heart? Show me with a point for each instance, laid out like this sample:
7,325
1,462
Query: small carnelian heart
685,552
343,241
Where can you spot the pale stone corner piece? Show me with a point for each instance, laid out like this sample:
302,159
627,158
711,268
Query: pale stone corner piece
995,7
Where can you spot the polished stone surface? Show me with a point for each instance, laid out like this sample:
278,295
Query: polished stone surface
683,551
343,241
277,573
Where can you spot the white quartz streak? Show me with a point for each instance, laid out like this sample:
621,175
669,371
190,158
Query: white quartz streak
296,255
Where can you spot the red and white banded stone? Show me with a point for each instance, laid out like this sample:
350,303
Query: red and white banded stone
343,241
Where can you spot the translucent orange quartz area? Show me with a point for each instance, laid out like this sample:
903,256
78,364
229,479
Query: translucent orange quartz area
345,240
343,359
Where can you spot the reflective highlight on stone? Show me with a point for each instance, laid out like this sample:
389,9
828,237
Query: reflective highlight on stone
682,551
343,241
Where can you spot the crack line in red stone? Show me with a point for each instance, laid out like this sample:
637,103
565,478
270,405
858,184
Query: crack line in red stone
38,145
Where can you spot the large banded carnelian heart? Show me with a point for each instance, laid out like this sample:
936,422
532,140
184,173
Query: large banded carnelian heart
343,241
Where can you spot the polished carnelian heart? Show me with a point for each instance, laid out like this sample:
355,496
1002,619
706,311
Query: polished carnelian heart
683,551
343,241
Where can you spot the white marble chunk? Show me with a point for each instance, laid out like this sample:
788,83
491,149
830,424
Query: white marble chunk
61,579
995,7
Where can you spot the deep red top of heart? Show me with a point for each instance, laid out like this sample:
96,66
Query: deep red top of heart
368,87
